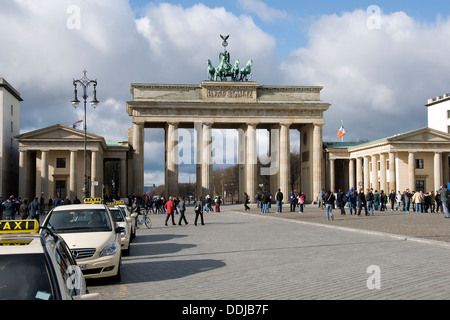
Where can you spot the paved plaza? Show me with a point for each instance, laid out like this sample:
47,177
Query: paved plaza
241,255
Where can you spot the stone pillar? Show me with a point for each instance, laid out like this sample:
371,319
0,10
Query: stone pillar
374,173
366,173
392,176
72,174
437,170
138,159
23,175
359,173
96,191
241,163
44,173
207,160
198,128
123,178
383,182
351,174
317,153
285,161
251,180
411,171
332,176
171,170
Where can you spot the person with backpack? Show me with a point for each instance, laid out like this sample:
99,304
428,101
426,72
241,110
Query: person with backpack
352,199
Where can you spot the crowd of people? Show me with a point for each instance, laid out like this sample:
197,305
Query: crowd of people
371,201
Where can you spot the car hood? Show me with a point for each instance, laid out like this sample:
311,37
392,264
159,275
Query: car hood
96,240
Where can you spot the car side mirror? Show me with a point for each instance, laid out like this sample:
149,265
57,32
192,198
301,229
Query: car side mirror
119,229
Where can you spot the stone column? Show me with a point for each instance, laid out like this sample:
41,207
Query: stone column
383,183
437,170
207,159
366,173
171,173
284,171
241,163
44,173
96,191
374,173
138,159
411,171
251,161
317,154
392,176
332,176
359,173
72,174
351,174
123,177
23,175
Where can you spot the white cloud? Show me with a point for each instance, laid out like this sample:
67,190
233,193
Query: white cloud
377,80
262,10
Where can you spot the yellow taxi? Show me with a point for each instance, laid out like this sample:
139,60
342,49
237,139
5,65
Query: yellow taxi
92,236
125,235
37,265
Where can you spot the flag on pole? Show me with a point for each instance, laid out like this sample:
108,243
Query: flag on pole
341,131
78,124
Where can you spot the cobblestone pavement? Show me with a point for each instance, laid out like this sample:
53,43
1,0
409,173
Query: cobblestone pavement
241,255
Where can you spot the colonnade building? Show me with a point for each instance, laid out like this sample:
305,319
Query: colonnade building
51,159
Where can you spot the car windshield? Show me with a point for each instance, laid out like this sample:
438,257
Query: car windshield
24,277
80,220
117,215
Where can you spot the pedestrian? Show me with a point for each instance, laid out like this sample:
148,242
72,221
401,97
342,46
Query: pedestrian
376,200
246,201
182,209
24,212
383,201
417,200
352,197
444,198
301,202
432,201
369,202
329,200
198,209
398,199
217,201
170,210
341,201
265,202
279,200
9,207
362,202
35,209
408,196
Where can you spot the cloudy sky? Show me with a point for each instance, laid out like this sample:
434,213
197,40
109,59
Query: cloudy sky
378,62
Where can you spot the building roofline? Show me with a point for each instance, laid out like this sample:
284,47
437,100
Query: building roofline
5,84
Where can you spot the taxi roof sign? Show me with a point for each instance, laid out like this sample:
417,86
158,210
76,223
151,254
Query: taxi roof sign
93,200
19,226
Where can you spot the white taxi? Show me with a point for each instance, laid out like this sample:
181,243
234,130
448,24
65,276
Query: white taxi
92,236
131,217
37,266
125,235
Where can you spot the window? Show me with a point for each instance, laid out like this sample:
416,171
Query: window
419,163
12,126
60,162
448,114
420,185
12,110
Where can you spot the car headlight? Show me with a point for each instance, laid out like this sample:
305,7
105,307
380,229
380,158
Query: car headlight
123,233
109,249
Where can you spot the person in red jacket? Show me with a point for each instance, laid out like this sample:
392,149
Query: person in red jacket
170,209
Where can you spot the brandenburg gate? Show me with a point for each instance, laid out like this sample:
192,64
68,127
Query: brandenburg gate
237,104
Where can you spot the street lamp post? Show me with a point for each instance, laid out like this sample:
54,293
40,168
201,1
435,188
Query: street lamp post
84,83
